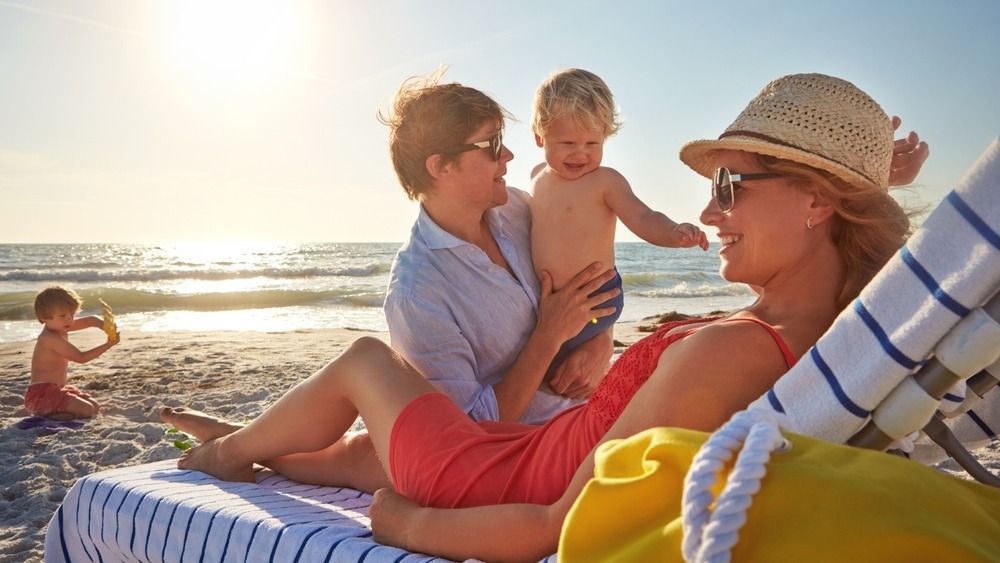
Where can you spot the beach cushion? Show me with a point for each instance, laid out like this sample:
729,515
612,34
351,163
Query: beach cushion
156,512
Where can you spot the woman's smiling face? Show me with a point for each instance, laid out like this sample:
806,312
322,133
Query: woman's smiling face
482,177
763,234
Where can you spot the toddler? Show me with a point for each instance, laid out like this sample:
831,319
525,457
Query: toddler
48,394
576,202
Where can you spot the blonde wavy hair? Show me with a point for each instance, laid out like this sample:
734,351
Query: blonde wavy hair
869,224
577,93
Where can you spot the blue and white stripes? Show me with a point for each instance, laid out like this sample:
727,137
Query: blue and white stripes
155,512
949,266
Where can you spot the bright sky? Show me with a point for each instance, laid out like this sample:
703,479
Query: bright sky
142,121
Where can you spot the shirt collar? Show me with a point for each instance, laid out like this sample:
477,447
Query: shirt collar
437,238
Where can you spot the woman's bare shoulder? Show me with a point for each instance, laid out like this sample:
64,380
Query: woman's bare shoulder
715,371
728,343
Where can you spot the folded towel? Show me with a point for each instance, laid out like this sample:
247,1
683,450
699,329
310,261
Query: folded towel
949,266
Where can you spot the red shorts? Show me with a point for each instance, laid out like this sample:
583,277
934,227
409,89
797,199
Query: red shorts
440,457
46,398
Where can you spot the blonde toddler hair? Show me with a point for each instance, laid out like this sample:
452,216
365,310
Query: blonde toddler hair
55,298
577,93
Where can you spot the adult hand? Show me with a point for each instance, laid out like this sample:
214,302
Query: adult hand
391,516
562,314
584,368
908,156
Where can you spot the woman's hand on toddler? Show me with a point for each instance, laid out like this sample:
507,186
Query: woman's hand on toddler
562,313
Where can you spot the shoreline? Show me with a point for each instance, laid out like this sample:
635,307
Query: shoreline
230,374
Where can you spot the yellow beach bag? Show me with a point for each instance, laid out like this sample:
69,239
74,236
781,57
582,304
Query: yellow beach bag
817,502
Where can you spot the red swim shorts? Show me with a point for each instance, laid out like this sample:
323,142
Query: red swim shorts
46,398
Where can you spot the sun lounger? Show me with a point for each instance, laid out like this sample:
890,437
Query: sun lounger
156,512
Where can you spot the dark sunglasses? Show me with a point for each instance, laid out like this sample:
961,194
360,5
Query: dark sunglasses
495,145
722,186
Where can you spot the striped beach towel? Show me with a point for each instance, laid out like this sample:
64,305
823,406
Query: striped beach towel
156,512
949,266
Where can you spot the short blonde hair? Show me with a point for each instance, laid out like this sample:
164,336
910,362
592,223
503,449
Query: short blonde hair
55,298
577,93
869,225
430,118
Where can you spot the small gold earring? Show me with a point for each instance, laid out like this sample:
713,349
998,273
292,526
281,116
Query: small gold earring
809,223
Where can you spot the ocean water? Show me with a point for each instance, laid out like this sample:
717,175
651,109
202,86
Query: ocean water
285,287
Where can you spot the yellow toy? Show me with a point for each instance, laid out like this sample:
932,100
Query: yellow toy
110,328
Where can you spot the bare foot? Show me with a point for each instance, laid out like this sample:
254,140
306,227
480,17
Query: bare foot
202,426
208,459
390,514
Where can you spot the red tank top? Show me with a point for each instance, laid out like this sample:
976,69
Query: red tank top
638,361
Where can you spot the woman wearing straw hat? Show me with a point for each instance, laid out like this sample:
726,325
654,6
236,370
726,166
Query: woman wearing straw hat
801,204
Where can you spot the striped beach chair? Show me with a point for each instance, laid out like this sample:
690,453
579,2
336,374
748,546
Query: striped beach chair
899,356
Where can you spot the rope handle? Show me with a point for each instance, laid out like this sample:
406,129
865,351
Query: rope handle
709,535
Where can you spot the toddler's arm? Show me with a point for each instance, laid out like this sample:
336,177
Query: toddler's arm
649,225
81,323
66,350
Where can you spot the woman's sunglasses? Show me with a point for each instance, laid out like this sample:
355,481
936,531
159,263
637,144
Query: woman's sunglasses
495,145
722,186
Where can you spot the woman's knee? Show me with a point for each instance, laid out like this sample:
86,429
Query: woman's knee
370,352
363,355
359,448
368,345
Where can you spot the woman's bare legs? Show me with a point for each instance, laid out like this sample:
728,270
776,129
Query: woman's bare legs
368,378
202,426
349,462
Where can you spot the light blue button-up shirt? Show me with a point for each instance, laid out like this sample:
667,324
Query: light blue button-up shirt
462,320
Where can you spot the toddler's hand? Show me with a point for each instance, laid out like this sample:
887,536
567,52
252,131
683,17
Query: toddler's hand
690,235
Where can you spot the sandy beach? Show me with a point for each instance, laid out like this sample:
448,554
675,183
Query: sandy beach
233,374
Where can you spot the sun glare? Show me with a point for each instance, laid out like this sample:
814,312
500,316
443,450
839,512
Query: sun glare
229,43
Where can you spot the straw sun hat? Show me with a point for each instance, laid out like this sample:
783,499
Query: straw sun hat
812,119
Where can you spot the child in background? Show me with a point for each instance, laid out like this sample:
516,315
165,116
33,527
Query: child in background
48,394
576,202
